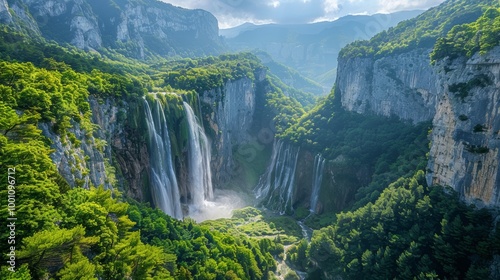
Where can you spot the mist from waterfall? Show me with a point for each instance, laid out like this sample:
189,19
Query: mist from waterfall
200,175
164,188
276,186
319,165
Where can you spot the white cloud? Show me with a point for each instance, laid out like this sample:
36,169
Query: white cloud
235,12
398,5
274,4
331,6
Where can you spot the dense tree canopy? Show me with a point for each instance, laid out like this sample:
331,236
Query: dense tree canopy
467,39
410,232
422,31
91,233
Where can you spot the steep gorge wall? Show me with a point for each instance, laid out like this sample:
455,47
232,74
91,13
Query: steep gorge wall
230,113
402,85
234,125
138,28
461,97
117,152
465,138
340,182
80,162
5,15
289,182
122,125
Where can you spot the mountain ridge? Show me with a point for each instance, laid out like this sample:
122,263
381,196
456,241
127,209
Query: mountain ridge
139,29
312,49
314,27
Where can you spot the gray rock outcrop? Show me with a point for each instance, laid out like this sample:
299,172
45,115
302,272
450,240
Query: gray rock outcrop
402,85
135,28
231,119
460,96
80,162
466,139
5,15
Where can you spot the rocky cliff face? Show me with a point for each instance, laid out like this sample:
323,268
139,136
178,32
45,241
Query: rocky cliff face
83,159
461,97
135,28
117,153
118,124
281,190
402,85
465,138
114,155
80,164
5,15
336,191
230,112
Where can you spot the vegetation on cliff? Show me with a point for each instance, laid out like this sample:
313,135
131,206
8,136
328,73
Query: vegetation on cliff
118,28
73,233
420,32
467,39
386,148
214,72
399,228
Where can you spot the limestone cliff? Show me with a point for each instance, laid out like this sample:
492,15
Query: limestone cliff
460,96
5,15
402,85
230,113
118,124
80,163
465,138
135,28
114,155
337,188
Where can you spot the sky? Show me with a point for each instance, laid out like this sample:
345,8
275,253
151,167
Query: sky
231,13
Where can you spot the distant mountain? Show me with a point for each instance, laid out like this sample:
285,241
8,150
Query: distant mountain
311,49
235,31
145,29
289,76
134,28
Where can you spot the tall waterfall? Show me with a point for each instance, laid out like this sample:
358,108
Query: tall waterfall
319,165
276,186
200,175
164,186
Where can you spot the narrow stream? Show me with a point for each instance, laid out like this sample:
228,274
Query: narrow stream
306,231
307,234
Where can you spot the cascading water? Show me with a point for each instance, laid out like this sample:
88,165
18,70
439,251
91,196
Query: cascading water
319,165
200,175
276,186
164,186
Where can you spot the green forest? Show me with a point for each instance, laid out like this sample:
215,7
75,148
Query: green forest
422,31
75,232
387,223
60,227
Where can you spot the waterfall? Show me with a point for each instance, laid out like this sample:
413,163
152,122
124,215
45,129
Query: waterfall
200,175
276,186
164,186
319,164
